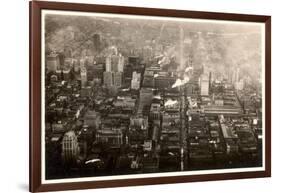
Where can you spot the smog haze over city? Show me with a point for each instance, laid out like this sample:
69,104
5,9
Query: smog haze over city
136,95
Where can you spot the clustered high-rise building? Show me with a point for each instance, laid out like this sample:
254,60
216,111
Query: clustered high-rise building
204,85
114,68
83,77
136,78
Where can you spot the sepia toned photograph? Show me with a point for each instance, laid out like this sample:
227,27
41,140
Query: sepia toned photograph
130,96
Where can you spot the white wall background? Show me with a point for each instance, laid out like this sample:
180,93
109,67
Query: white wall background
14,77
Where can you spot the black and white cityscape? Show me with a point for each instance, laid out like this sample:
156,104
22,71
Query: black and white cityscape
147,95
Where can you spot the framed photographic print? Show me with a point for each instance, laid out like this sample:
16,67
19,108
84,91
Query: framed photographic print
123,96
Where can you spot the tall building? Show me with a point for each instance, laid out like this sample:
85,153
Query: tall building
70,147
210,79
112,79
117,79
53,62
68,63
114,67
66,74
83,77
135,83
108,79
121,61
146,95
97,42
204,85
97,71
108,64
114,63
82,63
117,63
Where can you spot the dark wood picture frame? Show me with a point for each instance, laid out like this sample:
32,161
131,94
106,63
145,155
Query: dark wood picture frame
35,94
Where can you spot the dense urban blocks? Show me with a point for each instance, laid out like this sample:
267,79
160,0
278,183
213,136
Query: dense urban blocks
131,99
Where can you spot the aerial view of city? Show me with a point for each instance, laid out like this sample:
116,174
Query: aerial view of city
137,95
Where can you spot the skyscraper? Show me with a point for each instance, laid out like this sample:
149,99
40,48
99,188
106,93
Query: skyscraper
70,147
114,63
107,79
97,42
145,99
135,83
204,85
117,79
121,63
108,64
114,68
83,77
53,62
